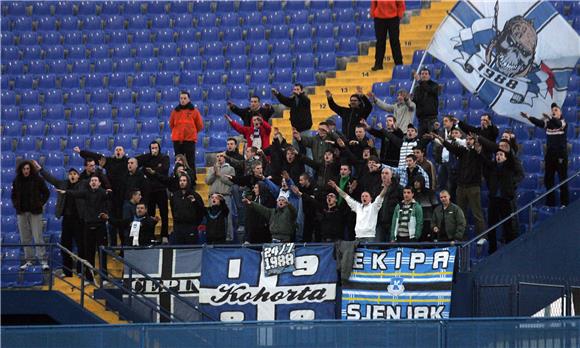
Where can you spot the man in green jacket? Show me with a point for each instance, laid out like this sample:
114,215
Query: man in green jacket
281,220
407,222
448,222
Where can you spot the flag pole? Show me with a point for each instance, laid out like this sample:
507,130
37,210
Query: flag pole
429,45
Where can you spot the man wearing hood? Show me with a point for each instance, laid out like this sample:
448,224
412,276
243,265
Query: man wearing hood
188,211
219,178
358,108
256,225
152,163
29,195
185,122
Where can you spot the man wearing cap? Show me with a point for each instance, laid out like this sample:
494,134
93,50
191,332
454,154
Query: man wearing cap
556,157
403,109
70,209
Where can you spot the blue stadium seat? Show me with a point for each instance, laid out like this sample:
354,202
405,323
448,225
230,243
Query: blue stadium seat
26,143
104,125
282,61
31,113
150,64
124,140
235,48
160,21
10,52
144,50
206,20
8,160
148,110
281,47
92,23
232,34
103,112
99,96
188,35
212,77
183,20
327,61
255,33
10,113
229,19
253,19
67,23
127,126
58,127
100,143
164,35
52,143
188,78
215,63
99,51
137,22
126,111
453,87
294,5
46,81
531,148
167,49
305,60
121,50
305,76
213,49
248,6
239,62
342,5
81,126
8,97
12,128
74,159
31,52
347,47
190,50
164,78
51,38
237,76
111,8
259,76
169,95
269,6
147,95
141,36
454,103
22,23
28,38
217,92
402,72
279,31
81,65
56,66
117,80
299,17
123,65
122,95
79,111
150,126
72,38
326,46
14,67
8,144
260,61
172,64
114,22
303,46
76,96
210,34
303,31
282,75
367,31
36,128
133,8
217,108
475,103
276,17
259,47
346,29
239,92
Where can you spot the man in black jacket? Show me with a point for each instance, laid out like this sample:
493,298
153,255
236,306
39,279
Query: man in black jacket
91,169
233,153
299,104
96,209
359,108
156,162
390,152
116,167
29,195
188,210
556,157
135,180
255,109
393,196
70,209
331,219
426,98
486,129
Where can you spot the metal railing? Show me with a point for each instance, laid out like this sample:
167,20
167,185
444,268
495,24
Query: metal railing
464,250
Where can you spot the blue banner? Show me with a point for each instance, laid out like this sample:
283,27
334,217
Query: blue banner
399,283
177,269
234,286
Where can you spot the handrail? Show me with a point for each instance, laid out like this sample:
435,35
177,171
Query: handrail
155,281
484,233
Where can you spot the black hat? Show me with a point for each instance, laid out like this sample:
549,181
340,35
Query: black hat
330,121
73,170
411,126
554,105
374,159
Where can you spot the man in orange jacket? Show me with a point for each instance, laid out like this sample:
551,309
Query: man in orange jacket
185,122
387,15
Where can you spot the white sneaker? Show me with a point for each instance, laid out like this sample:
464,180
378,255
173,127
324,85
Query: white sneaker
481,241
164,240
26,265
45,266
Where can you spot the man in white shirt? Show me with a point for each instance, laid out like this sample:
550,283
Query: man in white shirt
366,212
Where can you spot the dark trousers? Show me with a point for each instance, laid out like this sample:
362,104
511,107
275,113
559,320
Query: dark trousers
94,235
117,213
382,27
185,234
72,232
556,164
426,124
309,234
498,210
186,148
159,199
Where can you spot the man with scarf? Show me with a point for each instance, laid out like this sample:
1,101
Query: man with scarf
255,109
256,135
185,122
359,108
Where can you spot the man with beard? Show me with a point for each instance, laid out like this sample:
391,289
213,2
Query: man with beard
299,104
29,195
116,167
70,209
255,109
358,108
152,163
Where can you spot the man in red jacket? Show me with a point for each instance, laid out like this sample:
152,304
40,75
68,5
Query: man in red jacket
387,15
257,135
185,122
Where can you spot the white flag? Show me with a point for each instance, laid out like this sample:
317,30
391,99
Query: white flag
515,56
